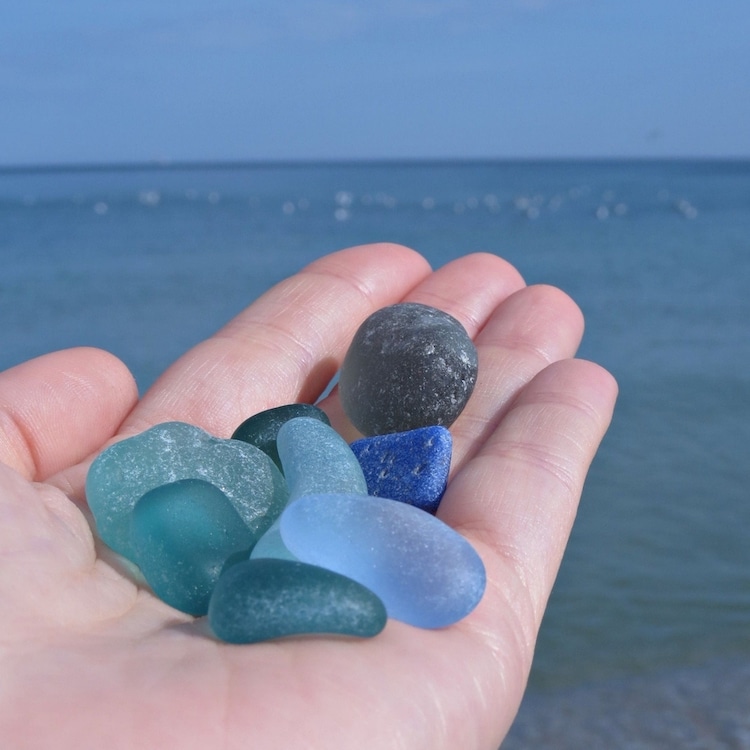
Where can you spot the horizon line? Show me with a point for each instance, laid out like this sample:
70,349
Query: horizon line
197,164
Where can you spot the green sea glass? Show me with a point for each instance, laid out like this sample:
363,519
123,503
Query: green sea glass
261,429
258,600
182,535
168,452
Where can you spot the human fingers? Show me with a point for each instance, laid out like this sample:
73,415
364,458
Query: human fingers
58,408
285,346
527,331
517,497
469,288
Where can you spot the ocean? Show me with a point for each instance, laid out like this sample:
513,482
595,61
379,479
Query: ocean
649,621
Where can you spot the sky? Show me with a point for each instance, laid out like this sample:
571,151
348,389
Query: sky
88,82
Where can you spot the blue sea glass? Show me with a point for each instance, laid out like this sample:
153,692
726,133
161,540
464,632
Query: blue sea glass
408,466
182,535
425,572
261,429
258,600
168,452
316,459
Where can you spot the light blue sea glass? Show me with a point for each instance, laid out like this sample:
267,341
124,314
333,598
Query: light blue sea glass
410,466
427,574
182,535
258,600
168,452
316,459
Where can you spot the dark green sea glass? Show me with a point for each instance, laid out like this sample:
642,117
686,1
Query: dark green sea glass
182,535
259,600
261,429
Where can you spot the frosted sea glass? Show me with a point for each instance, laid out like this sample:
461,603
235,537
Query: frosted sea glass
261,429
182,535
408,466
127,470
315,458
409,365
426,573
258,600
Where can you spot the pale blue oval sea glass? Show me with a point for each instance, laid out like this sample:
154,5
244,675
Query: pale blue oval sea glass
168,452
425,572
182,534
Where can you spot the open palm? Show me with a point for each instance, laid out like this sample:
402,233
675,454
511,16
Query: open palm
91,659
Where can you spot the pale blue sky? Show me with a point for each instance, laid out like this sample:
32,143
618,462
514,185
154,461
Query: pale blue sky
89,81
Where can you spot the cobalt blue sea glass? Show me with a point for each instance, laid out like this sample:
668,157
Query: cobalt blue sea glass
408,466
425,572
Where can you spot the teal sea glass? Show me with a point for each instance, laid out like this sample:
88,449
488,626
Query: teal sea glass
425,573
261,429
182,535
168,452
259,600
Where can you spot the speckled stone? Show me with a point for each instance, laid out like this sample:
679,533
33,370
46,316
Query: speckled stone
262,429
182,534
409,365
425,573
408,466
171,451
258,600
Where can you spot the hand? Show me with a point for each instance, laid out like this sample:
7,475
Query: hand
91,660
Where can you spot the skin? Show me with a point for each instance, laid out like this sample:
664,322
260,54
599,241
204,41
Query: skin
90,659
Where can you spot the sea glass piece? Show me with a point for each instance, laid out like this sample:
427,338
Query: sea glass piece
261,429
426,573
315,459
409,365
171,451
182,535
258,600
408,466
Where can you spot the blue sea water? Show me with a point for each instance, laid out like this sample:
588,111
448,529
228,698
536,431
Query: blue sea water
656,580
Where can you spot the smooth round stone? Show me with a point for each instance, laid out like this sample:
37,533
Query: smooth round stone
411,466
258,600
315,459
182,535
409,365
426,574
261,429
168,452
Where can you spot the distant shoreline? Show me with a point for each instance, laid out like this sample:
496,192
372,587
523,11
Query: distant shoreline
239,164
